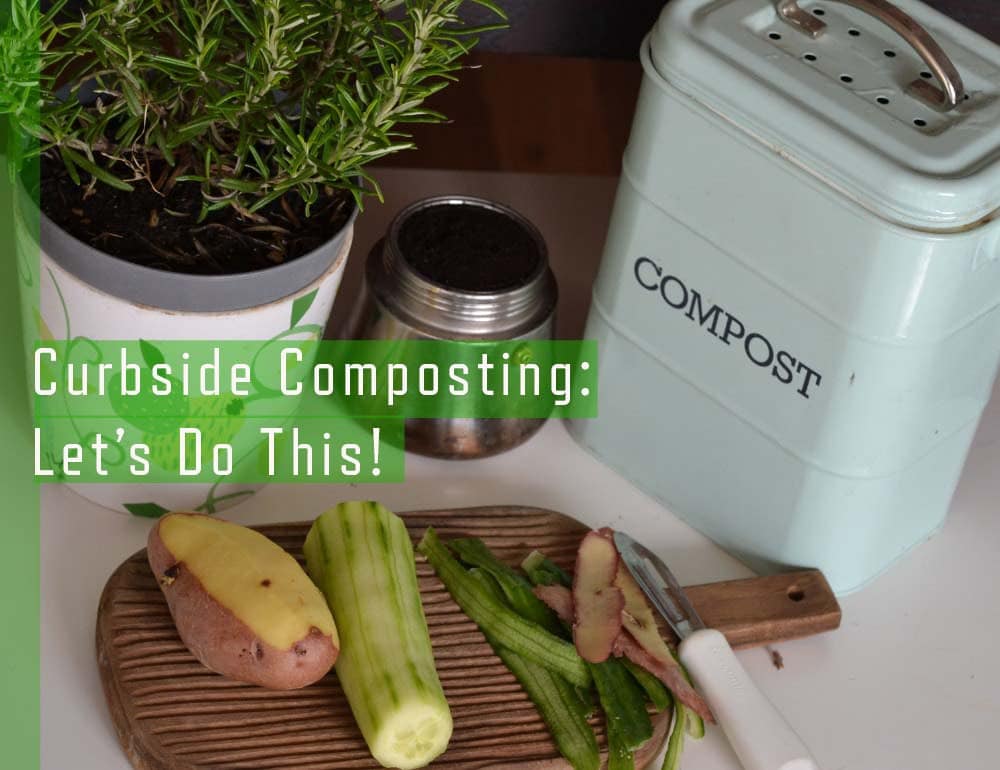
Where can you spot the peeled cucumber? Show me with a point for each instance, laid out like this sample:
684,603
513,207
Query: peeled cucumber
360,556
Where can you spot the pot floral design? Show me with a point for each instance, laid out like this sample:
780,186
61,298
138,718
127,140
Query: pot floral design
299,317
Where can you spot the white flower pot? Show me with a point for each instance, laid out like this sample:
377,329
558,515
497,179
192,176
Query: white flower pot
84,294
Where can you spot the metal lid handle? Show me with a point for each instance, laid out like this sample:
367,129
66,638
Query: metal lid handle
951,92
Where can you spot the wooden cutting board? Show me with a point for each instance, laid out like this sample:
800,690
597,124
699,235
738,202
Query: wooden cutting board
171,713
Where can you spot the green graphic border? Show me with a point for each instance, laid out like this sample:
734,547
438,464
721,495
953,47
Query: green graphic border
20,651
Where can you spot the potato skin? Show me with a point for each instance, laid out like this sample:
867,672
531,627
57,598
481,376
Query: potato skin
224,643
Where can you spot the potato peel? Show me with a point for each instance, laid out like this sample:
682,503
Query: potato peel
643,644
669,673
559,599
597,601
605,599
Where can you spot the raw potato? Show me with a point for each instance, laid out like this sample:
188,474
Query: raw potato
242,605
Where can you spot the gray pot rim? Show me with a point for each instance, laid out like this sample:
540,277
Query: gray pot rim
187,292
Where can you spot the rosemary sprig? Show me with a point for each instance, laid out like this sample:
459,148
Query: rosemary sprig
253,100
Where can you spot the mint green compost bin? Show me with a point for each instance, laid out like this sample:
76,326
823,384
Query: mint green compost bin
797,308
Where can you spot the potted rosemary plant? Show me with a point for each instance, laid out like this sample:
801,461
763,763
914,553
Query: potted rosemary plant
201,162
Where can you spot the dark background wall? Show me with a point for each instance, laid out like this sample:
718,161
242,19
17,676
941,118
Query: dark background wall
613,28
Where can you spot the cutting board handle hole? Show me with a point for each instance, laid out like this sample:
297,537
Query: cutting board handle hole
796,594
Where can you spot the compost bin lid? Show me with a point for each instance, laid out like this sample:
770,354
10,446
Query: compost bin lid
845,105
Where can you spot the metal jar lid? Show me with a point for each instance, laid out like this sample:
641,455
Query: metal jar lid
465,303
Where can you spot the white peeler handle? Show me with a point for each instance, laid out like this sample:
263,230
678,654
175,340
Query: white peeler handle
759,735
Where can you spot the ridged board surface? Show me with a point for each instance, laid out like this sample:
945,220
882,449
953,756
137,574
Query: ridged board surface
171,713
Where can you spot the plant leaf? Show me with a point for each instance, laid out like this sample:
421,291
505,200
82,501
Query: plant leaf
301,306
150,353
146,510
96,171
247,101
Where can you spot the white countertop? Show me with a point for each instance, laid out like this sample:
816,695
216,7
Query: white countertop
910,681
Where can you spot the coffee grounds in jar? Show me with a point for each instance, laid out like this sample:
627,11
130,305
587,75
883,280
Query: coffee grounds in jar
469,248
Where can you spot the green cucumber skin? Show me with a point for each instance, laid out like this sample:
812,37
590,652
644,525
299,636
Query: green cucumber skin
361,557
656,691
515,587
693,723
623,703
558,704
498,621
695,726
622,695
542,571
675,744
619,756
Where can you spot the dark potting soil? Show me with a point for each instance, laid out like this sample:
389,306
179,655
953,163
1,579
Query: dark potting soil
163,232
469,248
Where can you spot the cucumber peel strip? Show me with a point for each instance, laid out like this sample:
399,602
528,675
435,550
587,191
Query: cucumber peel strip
542,571
556,701
559,703
622,698
515,587
675,744
694,724
623,703
620,757
656,691
498,621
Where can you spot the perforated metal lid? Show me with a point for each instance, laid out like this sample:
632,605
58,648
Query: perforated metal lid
844,104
